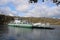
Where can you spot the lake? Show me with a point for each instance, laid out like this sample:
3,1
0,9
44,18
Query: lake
17,33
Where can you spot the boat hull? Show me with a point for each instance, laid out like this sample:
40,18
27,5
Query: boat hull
20,25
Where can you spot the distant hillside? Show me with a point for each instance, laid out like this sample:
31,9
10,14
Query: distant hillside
42,20
6,19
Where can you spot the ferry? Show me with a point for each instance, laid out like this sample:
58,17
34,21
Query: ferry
19,23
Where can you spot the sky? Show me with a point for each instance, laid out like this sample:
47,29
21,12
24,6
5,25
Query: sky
25,9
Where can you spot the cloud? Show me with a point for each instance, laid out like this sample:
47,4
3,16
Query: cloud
43,11
30,10
3,2
22,5
7,11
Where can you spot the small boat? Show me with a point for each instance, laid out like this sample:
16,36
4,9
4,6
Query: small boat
41,24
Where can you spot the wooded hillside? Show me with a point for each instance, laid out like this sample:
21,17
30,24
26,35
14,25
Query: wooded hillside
6,19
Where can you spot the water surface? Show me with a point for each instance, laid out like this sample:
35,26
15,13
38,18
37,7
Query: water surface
16,33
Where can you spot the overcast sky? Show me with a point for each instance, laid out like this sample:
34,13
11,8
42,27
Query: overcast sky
26,9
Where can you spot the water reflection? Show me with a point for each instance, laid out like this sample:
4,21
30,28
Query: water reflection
3,32
35,34
16,33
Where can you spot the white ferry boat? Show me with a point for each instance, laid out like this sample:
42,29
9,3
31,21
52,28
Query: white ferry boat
20,23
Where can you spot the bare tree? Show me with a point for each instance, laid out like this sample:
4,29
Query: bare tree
54,1
31,1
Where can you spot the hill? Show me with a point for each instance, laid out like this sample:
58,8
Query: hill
6,19
42,20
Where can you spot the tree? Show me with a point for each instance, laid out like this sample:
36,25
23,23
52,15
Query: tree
54,1
31,1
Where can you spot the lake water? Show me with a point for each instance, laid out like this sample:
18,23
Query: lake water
16,33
